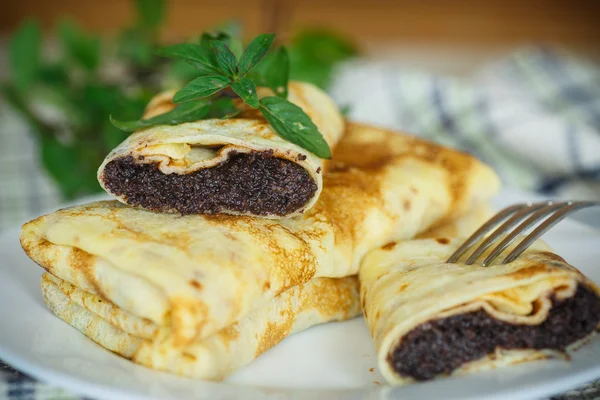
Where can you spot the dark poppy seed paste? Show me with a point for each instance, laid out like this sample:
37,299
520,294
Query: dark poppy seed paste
441,346
255,183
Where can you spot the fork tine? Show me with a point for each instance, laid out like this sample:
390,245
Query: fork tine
485,228
536,217
512,221
543,228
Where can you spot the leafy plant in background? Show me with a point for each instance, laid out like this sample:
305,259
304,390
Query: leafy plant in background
67,96
314,54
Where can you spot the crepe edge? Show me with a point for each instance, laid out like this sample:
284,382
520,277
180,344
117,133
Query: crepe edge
201,359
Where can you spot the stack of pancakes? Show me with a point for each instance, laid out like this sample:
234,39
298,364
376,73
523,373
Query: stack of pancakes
225,239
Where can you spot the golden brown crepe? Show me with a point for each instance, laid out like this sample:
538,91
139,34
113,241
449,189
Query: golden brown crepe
431,319
194,275
318,301
218,355
462,226
236,166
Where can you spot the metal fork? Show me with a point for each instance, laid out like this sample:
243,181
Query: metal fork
526,215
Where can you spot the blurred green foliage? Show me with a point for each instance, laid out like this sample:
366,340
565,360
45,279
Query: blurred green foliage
314,53
67,96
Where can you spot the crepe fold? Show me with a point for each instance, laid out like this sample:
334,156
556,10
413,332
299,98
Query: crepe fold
215,357
238,165
430,319
195,275
218,355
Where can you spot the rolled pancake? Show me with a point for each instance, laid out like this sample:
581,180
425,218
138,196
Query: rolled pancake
430,319
198,274
318,301
218,355
237,165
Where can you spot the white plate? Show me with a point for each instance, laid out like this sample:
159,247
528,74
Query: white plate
333,361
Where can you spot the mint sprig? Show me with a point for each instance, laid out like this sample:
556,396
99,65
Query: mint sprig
224,73
226,60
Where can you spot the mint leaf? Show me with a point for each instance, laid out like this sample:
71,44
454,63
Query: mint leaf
186,112
78,46
246,89
255,51
292,124
24,54
130,126
151,12
225,58
222,107
194,54
273,72
201,87
278,73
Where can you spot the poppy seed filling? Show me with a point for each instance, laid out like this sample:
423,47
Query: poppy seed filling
256,183
441,346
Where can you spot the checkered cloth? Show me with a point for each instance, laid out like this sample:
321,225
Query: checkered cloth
16,386
25,188
535,117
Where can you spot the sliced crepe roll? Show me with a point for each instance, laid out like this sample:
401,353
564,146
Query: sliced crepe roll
236,166
430,319
218,355
197,274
